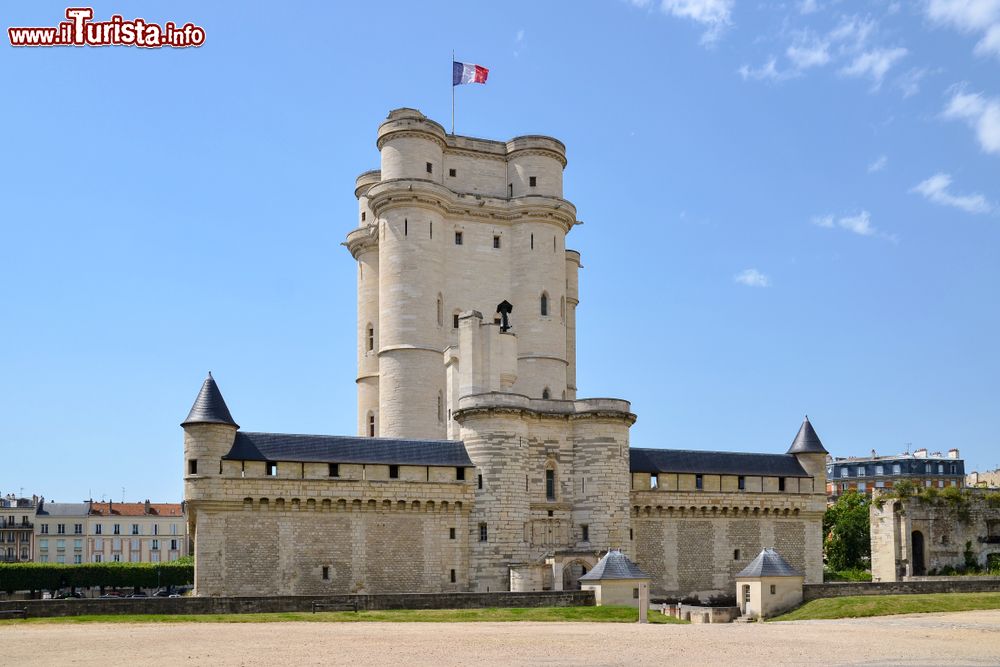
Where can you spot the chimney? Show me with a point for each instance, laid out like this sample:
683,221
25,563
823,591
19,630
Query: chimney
953,453
145,508
920,453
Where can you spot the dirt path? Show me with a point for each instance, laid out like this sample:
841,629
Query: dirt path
964,638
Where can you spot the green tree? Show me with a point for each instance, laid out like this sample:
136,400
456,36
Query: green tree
848,532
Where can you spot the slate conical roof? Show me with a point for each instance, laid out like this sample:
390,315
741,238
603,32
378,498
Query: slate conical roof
614,565
769,563
209,407
807,442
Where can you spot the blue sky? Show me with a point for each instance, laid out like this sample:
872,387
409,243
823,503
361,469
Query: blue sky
790,207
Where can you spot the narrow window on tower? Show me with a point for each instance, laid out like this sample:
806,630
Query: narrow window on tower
430,168
452,173
532,181
440,310
496,241
479,481
510,189
698,482
585,532
532,241
553,244
393,472
741,483
370,337
371,425
406,227
432,230
550,484
544,304
458,238
192,468
453,576
362,216
545,393
326,573
440,411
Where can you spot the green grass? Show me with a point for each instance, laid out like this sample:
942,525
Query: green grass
858,606
587,614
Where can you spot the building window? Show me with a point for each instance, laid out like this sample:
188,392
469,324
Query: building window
454,321
878,485
458,238
156,529
116,558
736,554
741,483
452,173
532,181
483,534
326,573
451,533
862,487
940,468
861,471
654,481
453,576
479,481
544,304
77,559
45,529
362,216
370,337
879,470
371,425
430,168
334,470
97,558
843,472
545,393
117,529
630,535
135,529
192,466
532,241
496,241
774,589
781,484
940,483
440,311
155,546
510,189
440,410
393,472
173,545
460,473
61,528
585,532
550,484
271,469
896,469
699,482
78,529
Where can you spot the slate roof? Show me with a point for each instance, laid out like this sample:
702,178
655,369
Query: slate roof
614,565
769,563
136,509
63,509
347,449
714,463
806,441
209,407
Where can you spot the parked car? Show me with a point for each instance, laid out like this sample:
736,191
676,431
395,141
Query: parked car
69,596
140,594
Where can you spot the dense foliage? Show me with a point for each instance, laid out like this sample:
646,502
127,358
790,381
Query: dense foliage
53,576
847,529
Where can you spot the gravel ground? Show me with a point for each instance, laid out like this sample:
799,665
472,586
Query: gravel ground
962,638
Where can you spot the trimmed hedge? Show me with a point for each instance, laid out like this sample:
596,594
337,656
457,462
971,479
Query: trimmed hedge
53,576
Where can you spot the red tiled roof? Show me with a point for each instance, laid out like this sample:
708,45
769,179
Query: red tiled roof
136,509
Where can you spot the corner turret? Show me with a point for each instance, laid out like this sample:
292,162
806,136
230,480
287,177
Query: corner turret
209,431
811,454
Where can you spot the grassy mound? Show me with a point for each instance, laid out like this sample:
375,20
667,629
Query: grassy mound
859,606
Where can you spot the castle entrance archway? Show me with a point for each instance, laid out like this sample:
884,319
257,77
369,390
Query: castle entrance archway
572,572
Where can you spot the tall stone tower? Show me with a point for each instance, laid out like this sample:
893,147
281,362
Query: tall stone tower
452,224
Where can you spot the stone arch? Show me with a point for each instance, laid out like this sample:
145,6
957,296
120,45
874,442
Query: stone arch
371,505
264,503
572,571
311,504
387,505
416,506
279,504
296,503
248,503
401,505
917,557
430,506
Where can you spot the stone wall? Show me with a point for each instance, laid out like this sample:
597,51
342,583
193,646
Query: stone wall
937,585
247,605
915,536
695,543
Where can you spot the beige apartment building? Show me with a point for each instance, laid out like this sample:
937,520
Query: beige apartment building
17,523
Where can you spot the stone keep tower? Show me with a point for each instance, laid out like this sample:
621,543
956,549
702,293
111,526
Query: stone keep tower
452,224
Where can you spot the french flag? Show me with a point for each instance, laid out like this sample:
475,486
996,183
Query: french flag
467,73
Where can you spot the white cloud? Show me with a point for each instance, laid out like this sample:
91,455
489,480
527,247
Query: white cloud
936,187
909,82
874,63
809,7
968,15
879,164
766,72
860,224
752,278
808,50
990,43
715,15
519,42
981,113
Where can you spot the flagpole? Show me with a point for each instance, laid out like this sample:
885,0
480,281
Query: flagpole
453,92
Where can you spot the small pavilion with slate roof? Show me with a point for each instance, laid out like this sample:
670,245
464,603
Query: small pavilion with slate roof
616,580
768,586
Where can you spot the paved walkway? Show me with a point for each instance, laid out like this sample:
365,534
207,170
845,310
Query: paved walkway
963,638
